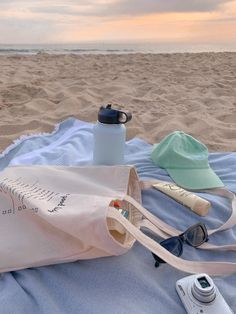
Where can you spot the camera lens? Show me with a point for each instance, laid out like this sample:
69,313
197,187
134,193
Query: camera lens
203,289
203,282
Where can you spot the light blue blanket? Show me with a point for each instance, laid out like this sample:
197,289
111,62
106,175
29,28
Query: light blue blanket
125,284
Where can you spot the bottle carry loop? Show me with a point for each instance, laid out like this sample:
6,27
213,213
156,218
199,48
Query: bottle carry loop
127,115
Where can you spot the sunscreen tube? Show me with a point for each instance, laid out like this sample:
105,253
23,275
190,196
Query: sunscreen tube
197,204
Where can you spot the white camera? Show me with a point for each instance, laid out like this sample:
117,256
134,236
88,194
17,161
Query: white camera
200,295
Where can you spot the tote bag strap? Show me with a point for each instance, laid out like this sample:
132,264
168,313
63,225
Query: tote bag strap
211,268
206,246
231,222
164,230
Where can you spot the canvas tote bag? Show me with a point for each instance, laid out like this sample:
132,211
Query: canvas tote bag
56,214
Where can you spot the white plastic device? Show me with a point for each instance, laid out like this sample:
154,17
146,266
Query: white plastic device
200,295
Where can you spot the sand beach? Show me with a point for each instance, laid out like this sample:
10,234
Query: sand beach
193,92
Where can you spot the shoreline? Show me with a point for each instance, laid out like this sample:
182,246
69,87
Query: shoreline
192,92
70,53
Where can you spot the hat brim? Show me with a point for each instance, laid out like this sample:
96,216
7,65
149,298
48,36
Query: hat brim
195,179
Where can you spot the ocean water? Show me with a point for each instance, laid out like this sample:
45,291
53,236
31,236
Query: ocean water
114,48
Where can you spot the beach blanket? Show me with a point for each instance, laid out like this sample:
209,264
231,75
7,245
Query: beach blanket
125,284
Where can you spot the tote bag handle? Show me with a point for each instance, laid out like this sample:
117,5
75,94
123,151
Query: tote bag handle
211,268
231,222
164,230
205,246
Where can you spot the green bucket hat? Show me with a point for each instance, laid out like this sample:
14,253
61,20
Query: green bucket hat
186,161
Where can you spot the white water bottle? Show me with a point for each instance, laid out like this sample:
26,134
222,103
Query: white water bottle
109,136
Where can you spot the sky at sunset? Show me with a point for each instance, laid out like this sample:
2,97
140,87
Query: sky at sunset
71,21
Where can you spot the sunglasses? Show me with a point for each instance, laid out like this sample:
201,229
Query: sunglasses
193,236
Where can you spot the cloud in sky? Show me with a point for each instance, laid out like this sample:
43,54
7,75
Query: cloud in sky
140,7
75,20
112,7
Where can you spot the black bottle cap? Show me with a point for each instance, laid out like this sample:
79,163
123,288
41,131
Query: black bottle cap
109,115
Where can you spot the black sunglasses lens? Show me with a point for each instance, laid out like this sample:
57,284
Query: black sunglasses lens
196,236
173,245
